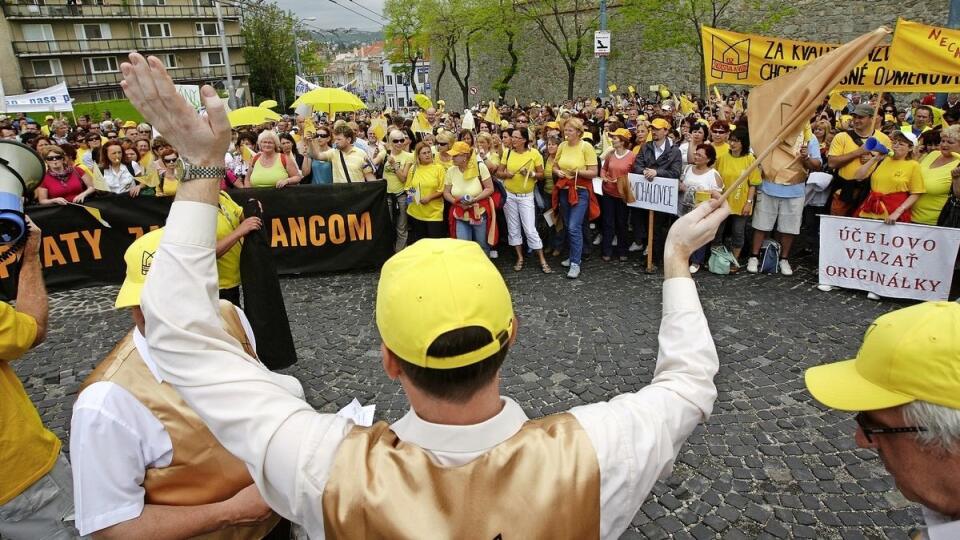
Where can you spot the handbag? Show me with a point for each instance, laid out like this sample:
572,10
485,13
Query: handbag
721,261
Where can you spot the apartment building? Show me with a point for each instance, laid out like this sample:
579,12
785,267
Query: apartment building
359,71
43,43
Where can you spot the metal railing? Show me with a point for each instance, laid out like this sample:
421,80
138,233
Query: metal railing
95,80
15,10
120,45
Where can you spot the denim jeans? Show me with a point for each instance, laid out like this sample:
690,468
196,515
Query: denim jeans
573,221
477,233
613,214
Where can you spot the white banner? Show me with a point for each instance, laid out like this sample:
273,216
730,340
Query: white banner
53,99
897,261
302,86
659,194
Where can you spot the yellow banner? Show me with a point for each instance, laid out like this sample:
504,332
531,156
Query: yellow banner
751,60
935,48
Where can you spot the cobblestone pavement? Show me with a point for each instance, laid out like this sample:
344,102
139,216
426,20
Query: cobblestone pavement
768,463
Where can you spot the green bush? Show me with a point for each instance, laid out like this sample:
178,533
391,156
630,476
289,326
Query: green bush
119,108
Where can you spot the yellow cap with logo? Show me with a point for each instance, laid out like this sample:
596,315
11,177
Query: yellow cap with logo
439,285
139,258
907,355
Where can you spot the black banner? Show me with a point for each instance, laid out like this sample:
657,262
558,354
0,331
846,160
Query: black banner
312,228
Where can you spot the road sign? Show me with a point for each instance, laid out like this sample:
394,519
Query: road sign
601,43
473,90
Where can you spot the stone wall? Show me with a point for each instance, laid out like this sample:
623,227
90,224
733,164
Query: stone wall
542,75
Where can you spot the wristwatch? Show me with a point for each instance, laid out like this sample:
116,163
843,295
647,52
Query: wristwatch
192,172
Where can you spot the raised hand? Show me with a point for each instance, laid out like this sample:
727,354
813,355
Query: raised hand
202,140
692,231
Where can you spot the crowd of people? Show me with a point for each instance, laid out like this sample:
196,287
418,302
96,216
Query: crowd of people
491,169
181,431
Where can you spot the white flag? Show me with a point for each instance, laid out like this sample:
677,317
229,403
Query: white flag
303,86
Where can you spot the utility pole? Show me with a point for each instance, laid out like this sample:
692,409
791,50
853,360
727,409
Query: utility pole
231,97
603,59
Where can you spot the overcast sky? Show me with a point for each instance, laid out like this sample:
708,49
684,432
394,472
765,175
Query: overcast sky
330,15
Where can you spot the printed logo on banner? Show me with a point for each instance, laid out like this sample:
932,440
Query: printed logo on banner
733,58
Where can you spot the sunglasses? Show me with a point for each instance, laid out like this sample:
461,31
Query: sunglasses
398,140
718,131
165,160
323,135
144,131
443,144
54,158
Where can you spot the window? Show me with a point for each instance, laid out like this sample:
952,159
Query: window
153,2
100,64
214,58
37,32
154,30
208,29
422,77
43,68
400,102
393,104
389,79
400,81
169,60
92,31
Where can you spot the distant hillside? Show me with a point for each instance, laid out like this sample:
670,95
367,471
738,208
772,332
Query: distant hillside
347,38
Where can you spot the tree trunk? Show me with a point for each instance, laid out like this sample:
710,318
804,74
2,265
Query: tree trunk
571,75
413,73
436,82
504,84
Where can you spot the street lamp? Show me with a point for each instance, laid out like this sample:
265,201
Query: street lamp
296,42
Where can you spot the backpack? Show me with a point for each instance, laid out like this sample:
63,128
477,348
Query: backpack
721,260
770,257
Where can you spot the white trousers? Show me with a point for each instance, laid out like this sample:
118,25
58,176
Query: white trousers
521,215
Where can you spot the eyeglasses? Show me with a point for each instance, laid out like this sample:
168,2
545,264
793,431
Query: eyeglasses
868,432
144,131
54,158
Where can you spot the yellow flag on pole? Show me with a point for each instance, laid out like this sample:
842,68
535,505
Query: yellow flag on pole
837,101
933,49
686,106
493,115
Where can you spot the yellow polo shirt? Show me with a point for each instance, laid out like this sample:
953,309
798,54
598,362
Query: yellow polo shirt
27,449
530,160
356,160
575,158
843,144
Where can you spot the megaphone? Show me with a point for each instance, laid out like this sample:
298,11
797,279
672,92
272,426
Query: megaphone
21,171
873,145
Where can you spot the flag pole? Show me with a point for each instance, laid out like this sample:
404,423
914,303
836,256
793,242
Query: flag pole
650,267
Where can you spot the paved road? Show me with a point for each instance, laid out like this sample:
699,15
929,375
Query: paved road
768,463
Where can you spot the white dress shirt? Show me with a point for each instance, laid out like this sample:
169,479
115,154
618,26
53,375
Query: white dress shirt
290,448
114,439
120,180
939,526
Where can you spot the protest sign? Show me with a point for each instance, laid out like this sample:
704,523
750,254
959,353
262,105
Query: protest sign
54,99
659,195
898,261
328,228
750,59
935,48
302,86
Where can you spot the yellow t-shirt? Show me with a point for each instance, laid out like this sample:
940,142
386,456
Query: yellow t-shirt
722,149
936,183
897,176
466,183
575,158
530,160
356,160
843,144
228,219
146,161
394,185
730,168
427,180
27,449
493,158
169,188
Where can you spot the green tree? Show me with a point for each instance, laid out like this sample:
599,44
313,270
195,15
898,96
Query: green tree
453,27
404,35
268,34
676,25
567,25
501,20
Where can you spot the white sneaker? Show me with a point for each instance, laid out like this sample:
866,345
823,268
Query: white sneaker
574,272
694,268
614,243
785,267
494,254
825,288
873,296
565,263
597,240
635,247
753,265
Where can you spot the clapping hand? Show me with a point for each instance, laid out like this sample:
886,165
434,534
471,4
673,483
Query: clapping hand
202,140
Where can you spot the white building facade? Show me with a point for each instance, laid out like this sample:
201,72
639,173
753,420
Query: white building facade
398,93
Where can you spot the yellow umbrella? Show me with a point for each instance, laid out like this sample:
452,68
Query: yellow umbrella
330,100
423,101
251,116
268,104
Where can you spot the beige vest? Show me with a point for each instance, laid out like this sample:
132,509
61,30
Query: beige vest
202,471
544,482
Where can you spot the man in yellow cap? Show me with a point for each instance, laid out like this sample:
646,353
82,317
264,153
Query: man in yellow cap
144,466
465,461
905,385
36,496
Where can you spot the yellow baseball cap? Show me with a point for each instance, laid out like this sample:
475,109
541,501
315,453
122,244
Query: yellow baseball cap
48,117
660,123
458,148
907,355
465,290
139,258
129,124
622,133
553,125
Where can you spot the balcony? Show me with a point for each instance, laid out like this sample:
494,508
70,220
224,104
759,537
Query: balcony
99,80
62,47
28,10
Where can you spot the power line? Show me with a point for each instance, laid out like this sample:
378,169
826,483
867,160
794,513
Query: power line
356,13
366,8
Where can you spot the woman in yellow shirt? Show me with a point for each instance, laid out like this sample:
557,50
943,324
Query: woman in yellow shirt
574,170
468,190
395,171
424,189
231,228
895,184
935,169
171,172
730,165
521,169
270,168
